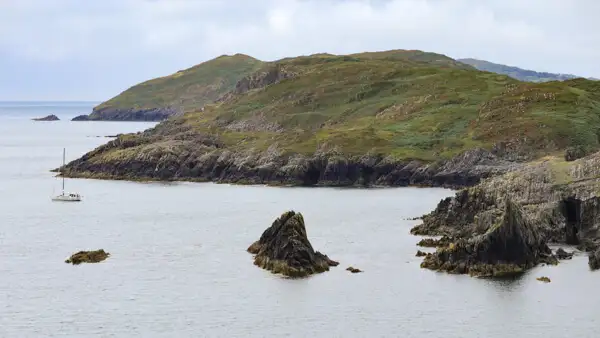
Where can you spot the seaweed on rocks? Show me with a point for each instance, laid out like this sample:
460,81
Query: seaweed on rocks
284,248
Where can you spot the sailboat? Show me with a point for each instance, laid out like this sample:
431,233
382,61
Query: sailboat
66,197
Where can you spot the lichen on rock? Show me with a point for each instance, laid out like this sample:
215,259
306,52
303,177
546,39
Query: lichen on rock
284,248
511,245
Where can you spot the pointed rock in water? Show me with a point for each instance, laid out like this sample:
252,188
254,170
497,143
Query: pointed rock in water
94,256
562,254
284,248
511,245
47,118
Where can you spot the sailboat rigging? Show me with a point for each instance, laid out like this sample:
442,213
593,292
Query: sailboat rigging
66,197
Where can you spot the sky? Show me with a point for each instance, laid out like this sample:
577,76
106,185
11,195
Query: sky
93,50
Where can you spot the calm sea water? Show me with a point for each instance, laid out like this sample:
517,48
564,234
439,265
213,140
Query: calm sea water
178,265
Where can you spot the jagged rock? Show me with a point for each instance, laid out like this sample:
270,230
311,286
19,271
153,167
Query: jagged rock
421,253
47,118
434,243
353,269
87,257
562,254
284,248
510,245
458,216
594,260
544,279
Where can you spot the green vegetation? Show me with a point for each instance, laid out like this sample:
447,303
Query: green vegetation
187,89
408,104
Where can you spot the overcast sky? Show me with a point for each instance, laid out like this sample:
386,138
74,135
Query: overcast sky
92,50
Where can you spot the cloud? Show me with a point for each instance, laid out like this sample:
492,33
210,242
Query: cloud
135,39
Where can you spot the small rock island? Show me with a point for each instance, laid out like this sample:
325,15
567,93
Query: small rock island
284,248
47,118
94,256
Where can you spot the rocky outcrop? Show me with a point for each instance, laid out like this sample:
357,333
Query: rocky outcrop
560,196
420,254
434,243
47,118
129,114
353,269
95,256
81,118
562,254
594,260
261,79
284,248
511,244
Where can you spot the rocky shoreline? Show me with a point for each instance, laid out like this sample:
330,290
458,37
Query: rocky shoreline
203,158
128,114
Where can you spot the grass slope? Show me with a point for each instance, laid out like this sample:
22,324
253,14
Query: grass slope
187,89
391,104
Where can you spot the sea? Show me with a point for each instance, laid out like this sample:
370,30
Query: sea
178,265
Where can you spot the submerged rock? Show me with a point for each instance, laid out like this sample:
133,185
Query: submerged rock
94,256
562,254
511,244
353,269
47,118
544,279
284,248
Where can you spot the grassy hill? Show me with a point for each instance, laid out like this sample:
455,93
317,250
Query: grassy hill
387,104
185,90
516,72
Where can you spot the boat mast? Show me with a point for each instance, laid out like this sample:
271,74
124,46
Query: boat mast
63,173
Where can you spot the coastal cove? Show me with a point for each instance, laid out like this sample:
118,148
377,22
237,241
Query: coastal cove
179,266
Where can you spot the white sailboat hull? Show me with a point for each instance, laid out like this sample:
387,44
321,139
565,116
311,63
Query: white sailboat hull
67,198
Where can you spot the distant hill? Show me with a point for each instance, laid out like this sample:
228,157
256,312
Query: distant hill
516,72
188,89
